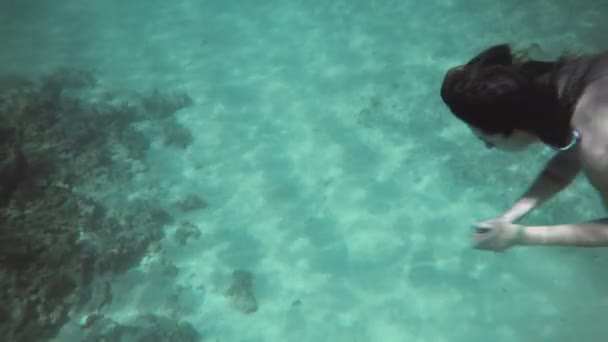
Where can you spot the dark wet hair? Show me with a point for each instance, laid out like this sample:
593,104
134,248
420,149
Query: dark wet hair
499,91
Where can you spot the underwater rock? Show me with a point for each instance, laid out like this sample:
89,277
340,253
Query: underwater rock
159,105
176,134
191,202
186,230
240,292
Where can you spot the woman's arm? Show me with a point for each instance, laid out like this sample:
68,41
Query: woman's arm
501,235
559,172
585,234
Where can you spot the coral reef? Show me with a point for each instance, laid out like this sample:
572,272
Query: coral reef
60,141
142,328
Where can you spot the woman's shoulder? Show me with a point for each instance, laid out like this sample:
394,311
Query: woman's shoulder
575,73
591,109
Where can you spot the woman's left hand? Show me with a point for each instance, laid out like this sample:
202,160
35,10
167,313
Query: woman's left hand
495,235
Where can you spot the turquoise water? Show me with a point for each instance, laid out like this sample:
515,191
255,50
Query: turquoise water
329,168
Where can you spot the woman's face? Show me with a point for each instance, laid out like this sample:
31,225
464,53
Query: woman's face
516,141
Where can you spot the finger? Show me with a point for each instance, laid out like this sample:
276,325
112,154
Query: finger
482,240
480,245
485,224
478,238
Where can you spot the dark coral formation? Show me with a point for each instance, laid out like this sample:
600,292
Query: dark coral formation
191,202
142,328
158,105
59,141
241,292
177,135
186,231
